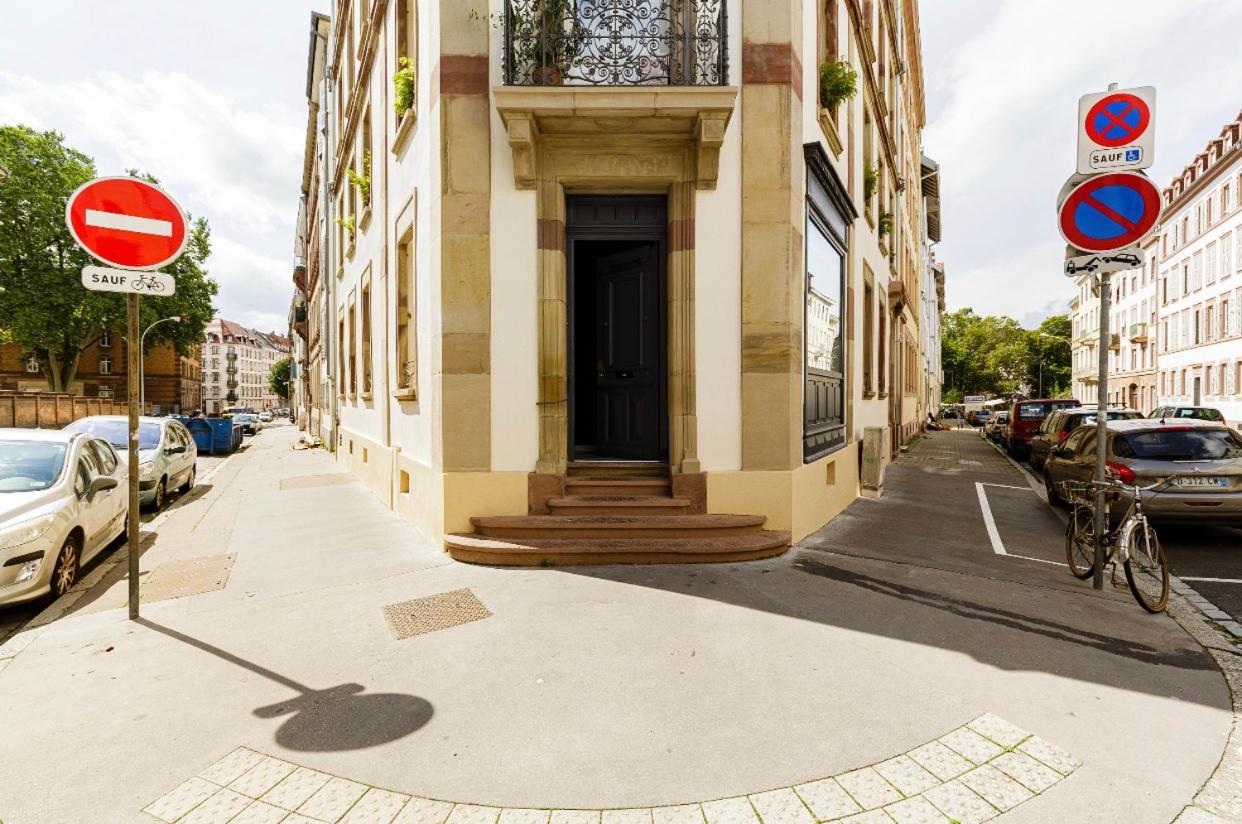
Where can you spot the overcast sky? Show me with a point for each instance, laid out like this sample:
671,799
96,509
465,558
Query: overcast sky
210,98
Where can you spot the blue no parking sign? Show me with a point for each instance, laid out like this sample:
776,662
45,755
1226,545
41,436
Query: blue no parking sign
1110,212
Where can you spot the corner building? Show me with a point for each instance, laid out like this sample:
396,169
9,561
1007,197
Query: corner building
568,270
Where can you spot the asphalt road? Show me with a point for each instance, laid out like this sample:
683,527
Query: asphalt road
1208,558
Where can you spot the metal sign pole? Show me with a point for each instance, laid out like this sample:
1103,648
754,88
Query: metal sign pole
1101,431
133,351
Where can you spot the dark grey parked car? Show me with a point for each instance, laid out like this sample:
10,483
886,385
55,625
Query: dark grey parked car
1196,464
1062,422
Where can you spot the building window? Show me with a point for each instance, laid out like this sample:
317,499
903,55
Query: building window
828,215
868,335
105,340
366,337
32,365
340,350
406,337
353,348
105,366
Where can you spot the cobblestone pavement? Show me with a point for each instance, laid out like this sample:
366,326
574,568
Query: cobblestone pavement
970,774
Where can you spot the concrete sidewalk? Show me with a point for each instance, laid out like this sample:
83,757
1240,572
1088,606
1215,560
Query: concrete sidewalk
894,663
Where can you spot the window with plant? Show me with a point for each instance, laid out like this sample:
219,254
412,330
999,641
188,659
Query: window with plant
838,82
871,181
403,87
362,181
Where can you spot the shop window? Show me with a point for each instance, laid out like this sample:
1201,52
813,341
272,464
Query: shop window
829,212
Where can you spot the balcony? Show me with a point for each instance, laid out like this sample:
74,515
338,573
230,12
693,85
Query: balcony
615,43
231,369
1138,333
1114,342
231,384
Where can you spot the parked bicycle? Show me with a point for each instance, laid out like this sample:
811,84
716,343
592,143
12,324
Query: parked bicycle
1133,542
147,282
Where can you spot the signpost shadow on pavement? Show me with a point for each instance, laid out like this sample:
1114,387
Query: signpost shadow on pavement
335,719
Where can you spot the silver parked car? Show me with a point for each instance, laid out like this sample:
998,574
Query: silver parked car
62,500
1196,465
167,455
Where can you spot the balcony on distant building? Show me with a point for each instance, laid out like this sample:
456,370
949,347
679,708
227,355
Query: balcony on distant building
1138,333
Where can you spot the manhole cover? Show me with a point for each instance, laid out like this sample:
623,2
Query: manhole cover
191,576
435,612
303,481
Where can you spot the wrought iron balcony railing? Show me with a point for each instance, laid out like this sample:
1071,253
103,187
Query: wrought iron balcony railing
615,43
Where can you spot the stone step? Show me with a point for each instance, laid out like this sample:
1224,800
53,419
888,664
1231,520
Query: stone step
554,552
617,469
618,486
617,526
654,505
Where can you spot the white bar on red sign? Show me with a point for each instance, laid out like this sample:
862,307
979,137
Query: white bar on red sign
128,223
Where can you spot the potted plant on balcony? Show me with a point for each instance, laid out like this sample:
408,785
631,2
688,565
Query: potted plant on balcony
549,39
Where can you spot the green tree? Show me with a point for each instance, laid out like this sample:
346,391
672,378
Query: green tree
995,355
278,378
42,301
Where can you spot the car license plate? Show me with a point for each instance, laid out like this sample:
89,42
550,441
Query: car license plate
1197,481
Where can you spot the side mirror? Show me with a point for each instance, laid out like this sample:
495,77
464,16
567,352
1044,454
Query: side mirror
100,484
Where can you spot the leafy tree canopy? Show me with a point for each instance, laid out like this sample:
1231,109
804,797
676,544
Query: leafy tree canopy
43,305
996,356
278,378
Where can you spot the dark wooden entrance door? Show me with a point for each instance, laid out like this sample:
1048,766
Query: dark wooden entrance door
627,353
618,406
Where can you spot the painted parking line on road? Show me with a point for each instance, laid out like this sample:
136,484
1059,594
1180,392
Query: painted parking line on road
998,546
1212,580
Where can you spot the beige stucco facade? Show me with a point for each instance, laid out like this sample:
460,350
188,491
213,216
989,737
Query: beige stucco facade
448,277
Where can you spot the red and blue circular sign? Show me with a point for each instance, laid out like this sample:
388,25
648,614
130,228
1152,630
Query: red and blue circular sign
1117,120
1110,212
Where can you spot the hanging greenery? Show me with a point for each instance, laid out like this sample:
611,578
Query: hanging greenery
838,82
403,87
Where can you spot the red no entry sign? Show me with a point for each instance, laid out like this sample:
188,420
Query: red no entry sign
127,223
1110,212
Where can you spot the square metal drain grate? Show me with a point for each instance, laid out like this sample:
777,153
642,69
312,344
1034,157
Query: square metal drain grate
435,612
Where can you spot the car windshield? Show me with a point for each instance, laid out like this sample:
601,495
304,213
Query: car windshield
1031,411
1200,413
1175,444
1090,419
242,417
117,432
29,466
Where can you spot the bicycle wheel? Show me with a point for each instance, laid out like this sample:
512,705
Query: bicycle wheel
1147,556
1080,542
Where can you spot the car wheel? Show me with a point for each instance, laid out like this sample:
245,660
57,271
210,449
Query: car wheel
189,480
1051,489
65,573
161,490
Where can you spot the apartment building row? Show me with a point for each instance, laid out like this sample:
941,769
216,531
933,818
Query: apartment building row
236,365
170,384
533,251
1177,321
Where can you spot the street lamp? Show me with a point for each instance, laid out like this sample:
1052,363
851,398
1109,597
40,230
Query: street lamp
142,369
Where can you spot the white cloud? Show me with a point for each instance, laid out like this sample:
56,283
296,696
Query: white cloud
239,168
1003,86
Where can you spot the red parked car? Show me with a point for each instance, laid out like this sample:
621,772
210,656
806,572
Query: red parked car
1025,418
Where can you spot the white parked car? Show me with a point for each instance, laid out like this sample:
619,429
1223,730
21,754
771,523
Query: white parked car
62,500
167,455
265,417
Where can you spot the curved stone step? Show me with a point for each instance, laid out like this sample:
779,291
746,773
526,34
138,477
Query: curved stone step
476,549
615,526
618,505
